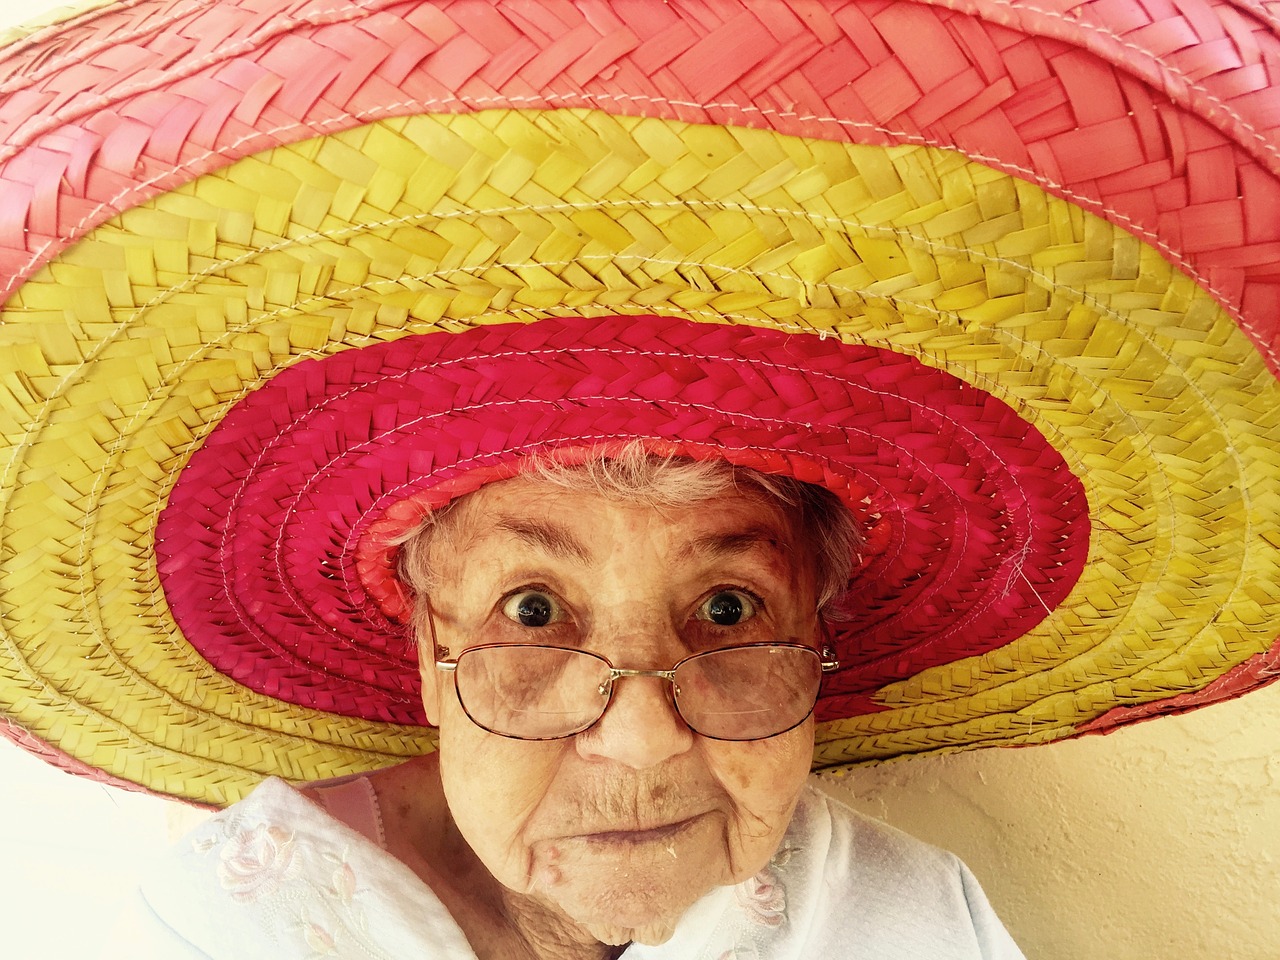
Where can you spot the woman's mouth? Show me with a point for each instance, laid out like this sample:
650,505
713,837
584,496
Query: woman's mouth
659,834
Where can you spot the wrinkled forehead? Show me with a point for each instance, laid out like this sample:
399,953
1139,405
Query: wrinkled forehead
581,522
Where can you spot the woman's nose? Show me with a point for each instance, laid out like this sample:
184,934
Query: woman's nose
640,727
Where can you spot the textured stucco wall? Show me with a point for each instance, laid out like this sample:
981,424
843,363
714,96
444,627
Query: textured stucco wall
1160,840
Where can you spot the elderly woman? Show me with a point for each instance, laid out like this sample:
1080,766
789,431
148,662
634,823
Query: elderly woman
498,450
622,657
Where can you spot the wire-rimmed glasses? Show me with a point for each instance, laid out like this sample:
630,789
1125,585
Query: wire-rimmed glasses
539,692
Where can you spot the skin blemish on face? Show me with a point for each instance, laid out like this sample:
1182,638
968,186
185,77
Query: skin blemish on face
547,876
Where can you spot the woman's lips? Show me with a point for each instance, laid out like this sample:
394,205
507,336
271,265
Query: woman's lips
656,834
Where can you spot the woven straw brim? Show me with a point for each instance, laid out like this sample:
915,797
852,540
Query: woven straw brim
1069,215
187,303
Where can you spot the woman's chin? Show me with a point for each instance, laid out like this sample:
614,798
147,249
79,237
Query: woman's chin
650,935
624,892
628,913
625,905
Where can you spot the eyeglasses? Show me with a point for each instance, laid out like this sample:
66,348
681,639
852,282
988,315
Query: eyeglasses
536,692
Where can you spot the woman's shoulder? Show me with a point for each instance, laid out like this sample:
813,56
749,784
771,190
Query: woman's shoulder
888,889
276,875
861,841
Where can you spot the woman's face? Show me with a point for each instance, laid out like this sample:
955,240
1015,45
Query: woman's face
622,827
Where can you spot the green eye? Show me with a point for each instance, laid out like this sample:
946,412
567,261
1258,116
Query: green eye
727,607
530,608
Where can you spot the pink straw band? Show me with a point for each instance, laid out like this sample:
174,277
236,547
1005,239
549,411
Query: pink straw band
333,445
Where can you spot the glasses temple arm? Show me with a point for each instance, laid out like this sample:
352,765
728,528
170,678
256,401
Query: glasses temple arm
830,662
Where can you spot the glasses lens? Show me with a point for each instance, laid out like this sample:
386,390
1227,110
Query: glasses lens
748,693
532,693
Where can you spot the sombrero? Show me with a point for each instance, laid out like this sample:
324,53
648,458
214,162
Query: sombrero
283,275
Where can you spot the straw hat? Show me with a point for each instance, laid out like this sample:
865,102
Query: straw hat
281,273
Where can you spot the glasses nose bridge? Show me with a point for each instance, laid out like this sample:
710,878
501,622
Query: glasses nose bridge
617,673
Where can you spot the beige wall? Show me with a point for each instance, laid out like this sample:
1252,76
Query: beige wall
1160,840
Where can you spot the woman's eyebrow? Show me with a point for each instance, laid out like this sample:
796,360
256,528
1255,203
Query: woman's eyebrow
551,537
734,543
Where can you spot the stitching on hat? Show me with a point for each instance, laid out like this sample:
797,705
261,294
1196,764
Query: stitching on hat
361,601
847,225
924,242
322,470
748,361
191,66
1016,562
1027,173
193,359
354,8
83,52
1164,68
474,213
905,305
119,444
739,361
212,421
1247,327
248,385
390,110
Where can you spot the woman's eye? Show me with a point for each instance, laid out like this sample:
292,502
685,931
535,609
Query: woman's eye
727,608
531,608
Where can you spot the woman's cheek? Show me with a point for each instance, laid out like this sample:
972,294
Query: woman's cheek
763,780
495,787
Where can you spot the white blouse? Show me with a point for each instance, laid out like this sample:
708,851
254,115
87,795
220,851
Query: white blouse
277,878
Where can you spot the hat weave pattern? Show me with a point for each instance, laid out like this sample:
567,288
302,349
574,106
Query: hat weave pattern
1014,300
424,417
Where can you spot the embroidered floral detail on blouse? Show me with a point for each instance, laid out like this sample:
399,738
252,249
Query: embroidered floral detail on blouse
319,939
296,885
743,951
254,860
763,899
343,882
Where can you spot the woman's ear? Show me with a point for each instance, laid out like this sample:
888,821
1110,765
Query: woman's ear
427,673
